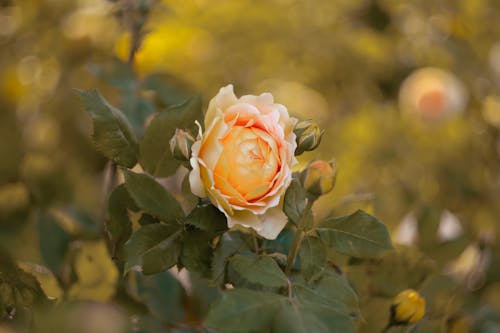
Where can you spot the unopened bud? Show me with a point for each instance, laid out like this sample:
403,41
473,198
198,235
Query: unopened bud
408,307
308,136
180,145
319,177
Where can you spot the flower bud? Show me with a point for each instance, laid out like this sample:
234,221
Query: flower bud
319,177
408,307
180,145
308,136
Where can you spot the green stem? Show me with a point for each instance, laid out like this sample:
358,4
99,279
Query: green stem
297,238
387,328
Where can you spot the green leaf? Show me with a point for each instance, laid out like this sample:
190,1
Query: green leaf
118,225
208,218
229,244
151,197
295,201
294,318
336,322
112,134
322,293
243,310
154,248
197,252
155,155
162,294
312,258
359,235
258,270
53,242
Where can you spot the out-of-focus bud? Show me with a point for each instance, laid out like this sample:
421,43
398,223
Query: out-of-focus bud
180,145
458,324
308,136
408,307
319,177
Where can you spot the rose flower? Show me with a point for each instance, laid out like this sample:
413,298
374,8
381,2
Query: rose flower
242,162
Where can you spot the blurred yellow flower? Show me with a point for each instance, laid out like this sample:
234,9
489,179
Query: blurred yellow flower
408,307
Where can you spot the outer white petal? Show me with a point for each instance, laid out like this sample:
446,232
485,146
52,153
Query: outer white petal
246,219
272,223
224,99
195,181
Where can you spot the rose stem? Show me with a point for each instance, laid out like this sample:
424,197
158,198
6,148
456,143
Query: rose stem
297,239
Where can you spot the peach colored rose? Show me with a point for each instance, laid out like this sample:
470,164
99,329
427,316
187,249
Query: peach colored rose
243,160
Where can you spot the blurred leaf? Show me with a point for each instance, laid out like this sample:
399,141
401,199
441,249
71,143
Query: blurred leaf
162,294
203,294
11,145
358,235
156,157
393,272
169,89
258,270
229,244
197,252
53,242
151,197
293,318
118,225
19,291
312,258
243,310
295,201
137,110
45,278
154,248
208,218
112,135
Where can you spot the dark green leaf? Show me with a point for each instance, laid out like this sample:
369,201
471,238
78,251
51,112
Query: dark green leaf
118,225
243,310
146,219
154,248
258,270
295,201
229,244
208,218
294,318
358,235
162,294
156,157
53,242
312,258
197,252
112,134
323,294
151,197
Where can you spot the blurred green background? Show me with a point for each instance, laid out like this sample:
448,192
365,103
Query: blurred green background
407,91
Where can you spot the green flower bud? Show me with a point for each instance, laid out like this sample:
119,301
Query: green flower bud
308,136
408,307
319,177
180,145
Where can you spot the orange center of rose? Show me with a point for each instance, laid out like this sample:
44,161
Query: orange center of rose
247,165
